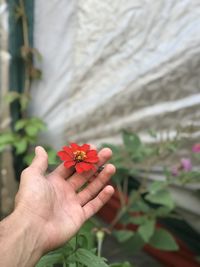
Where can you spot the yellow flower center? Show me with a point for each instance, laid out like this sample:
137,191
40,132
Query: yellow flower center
79,155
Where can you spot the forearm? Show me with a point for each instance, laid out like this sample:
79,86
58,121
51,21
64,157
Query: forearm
20,241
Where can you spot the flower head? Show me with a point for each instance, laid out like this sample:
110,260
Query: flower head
81,157
196,148
185,165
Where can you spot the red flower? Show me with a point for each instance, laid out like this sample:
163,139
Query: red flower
81,157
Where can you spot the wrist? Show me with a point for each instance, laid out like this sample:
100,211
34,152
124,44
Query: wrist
33,226
21,239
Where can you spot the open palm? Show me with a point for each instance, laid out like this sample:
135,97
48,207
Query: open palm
56,201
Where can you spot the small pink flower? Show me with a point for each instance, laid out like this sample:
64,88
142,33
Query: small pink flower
196,148
185,166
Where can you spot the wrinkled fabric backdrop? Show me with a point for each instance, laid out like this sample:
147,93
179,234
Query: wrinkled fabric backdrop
109,65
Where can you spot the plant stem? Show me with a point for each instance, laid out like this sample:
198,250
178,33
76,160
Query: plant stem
24,24
117,218
27,82
76,247
99,248
125,188
121,196
125,209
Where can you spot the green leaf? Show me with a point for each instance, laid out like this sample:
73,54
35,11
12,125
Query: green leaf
36,120
163,240
28,158
24,100
85,237
133,244
57,256
146,230
152,133
162,211
123,235
11,97
21,146
117,158
7,138
52,157
157,186
124,264
65,250
115,149
138,219
2,148
139,205
172,147
31,130
20,124
149,151
162,197
50,259
126,218
87,258
38,123
131,141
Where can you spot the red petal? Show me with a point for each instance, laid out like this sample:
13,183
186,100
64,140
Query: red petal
74,147
78,168
92,153
64,156
85,147
92,160
84,166
69,151
69,164
92,156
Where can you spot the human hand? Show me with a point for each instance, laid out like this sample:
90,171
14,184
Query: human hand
53,202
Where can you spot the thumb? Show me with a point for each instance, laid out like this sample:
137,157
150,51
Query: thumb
40,160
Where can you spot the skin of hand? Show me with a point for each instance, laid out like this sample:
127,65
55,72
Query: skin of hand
51,208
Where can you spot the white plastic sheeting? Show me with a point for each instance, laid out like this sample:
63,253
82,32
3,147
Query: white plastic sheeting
109,65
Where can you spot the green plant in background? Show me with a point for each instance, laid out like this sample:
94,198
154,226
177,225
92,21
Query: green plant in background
23,135
147,200
80,251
